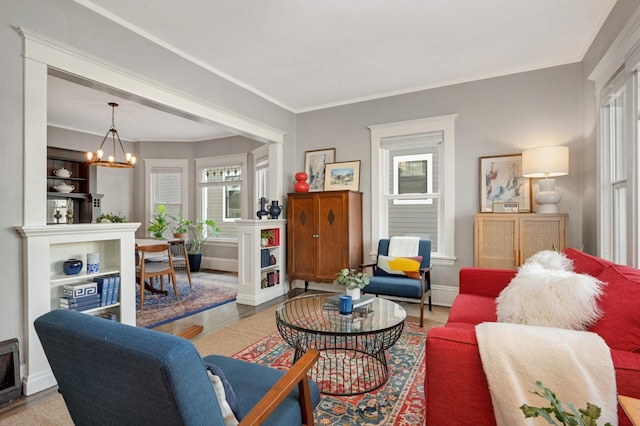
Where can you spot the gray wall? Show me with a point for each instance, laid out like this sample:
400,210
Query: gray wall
495,117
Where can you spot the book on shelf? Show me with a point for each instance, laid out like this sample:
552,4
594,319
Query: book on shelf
264,258
110,289
364,300
80,289
103,289
116,289
80,303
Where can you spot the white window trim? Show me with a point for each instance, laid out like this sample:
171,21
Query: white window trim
257,154
223,160
149,164
446,214
623,55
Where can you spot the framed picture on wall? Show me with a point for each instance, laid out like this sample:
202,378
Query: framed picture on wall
501,181
341,176
314,162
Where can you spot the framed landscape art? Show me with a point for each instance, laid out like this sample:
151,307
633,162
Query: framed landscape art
314,162
501,181
341,176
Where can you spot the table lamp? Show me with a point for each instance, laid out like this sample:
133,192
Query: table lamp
546,162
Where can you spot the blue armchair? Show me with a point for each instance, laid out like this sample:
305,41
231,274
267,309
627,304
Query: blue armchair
114,374
402,286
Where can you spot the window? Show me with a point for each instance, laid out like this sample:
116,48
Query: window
261,166
615,146
414,164
221,189
166,183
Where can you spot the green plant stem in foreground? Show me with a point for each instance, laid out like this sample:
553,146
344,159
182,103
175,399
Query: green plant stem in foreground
566,416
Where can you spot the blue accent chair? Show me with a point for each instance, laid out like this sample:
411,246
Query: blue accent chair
400,286
115,374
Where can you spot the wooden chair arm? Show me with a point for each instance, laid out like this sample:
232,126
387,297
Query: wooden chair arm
297,375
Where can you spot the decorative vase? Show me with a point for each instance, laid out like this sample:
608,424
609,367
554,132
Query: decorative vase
93,263
354,293
263,211
275,209
301,184
72,266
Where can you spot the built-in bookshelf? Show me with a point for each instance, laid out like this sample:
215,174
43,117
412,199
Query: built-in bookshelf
261,260
47,247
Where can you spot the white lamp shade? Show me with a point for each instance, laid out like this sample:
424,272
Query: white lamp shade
546,161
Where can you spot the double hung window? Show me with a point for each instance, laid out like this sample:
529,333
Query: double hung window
221,188
413,191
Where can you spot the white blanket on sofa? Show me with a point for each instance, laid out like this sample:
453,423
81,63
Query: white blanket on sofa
575,365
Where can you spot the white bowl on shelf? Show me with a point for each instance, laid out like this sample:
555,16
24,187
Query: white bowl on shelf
63,188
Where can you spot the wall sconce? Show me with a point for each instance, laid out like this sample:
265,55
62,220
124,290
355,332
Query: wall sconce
546,162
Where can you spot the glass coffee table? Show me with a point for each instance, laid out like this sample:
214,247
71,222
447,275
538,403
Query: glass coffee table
352,348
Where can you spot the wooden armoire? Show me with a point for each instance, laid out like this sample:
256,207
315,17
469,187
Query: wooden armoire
324,234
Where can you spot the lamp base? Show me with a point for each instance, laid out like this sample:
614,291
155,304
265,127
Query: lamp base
547,198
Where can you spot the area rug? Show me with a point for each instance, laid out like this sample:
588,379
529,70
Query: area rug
399,402
209,290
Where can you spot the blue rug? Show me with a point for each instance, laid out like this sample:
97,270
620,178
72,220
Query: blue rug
209,290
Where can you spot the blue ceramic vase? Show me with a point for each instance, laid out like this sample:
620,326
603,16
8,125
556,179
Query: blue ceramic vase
72,266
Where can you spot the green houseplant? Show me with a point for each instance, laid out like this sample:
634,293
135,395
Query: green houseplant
160,222
353,281
111,218
201,230
180,226
265,236
567,416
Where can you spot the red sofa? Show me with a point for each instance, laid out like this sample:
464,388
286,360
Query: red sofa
456,388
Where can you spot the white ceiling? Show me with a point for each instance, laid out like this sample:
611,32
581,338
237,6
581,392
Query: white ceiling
307,55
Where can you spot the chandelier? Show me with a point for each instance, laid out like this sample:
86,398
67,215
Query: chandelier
97,158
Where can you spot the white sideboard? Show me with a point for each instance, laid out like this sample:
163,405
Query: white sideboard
45,248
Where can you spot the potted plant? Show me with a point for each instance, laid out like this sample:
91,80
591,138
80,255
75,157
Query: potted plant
160,222
180,227
265,236
353,281
201,230
111,218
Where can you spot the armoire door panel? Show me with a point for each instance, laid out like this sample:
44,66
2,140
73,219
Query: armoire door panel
331,235
302,260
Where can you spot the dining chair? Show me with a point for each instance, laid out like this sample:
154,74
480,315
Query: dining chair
153,270
178,255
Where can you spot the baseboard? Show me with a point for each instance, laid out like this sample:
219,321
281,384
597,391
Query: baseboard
220,264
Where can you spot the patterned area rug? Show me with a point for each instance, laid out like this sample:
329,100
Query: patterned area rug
209,290
399,402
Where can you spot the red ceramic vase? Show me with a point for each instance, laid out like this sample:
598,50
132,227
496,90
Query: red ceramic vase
301,184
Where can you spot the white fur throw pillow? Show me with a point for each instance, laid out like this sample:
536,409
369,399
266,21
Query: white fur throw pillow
550,259
550,297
